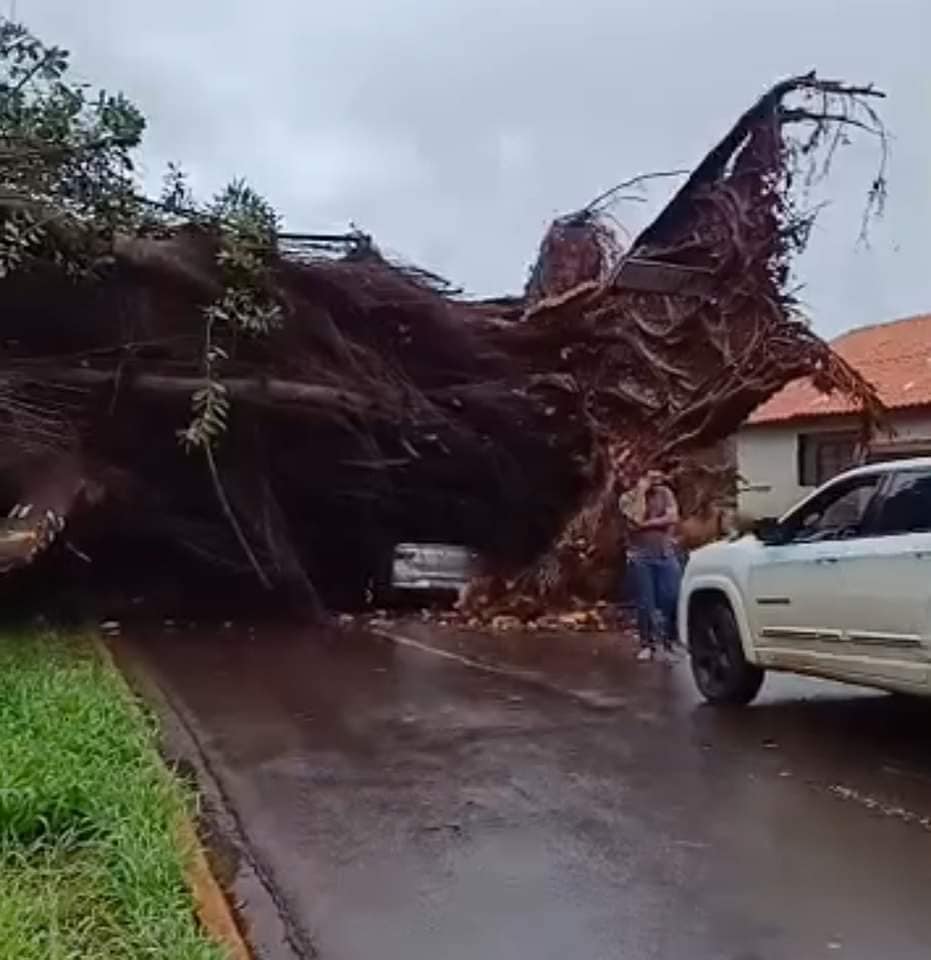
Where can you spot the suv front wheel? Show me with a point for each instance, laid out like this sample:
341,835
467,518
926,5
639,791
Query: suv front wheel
722,672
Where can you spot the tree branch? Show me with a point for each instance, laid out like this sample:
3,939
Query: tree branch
256,390
63,149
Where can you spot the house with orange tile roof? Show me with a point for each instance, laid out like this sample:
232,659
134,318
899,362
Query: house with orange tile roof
800,438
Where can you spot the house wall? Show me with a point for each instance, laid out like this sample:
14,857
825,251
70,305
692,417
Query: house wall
768,468
767,457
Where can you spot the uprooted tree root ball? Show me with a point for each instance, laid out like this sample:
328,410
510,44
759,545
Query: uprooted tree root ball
287,407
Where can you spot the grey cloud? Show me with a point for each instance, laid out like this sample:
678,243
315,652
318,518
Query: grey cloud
455,129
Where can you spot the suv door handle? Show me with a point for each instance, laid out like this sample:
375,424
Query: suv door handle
922,554
826,559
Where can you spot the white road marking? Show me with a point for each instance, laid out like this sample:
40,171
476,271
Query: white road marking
590,698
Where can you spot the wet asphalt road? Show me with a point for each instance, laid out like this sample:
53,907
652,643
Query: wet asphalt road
404,804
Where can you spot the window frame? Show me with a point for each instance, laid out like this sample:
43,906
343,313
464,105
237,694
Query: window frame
877,505
807,455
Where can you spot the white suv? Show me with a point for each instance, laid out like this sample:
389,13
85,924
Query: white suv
839,587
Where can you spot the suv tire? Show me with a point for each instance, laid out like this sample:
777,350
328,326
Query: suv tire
722,673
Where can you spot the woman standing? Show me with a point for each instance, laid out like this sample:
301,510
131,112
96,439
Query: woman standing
652,516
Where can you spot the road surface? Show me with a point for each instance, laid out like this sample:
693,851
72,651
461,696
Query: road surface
519,797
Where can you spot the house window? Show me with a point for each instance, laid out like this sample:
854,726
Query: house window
822,456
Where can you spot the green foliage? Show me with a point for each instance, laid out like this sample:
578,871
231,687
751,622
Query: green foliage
20,238
64,148
240,211
89,863
246,309
210,404
66,160
176,198
247,226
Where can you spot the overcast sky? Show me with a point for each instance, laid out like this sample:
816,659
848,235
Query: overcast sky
454,130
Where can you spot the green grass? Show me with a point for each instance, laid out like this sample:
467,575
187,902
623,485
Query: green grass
89,864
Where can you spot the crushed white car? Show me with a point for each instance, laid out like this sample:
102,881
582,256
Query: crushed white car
431,567
839,587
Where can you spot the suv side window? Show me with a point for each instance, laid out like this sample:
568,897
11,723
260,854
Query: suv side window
906,508
835,513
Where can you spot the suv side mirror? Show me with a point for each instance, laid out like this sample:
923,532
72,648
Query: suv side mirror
768,530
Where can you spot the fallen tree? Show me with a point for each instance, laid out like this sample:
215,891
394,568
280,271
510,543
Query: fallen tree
286,407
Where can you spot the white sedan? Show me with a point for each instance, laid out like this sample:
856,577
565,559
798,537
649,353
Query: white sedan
839,587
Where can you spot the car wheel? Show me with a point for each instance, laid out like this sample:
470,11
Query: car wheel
722,672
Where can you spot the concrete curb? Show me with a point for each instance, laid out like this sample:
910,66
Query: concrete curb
211,904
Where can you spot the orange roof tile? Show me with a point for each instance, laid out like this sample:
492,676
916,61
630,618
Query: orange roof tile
895,357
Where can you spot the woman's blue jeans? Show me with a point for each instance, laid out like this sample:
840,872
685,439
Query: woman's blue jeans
657,579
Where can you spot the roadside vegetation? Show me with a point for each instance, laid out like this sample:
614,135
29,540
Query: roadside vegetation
90,865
